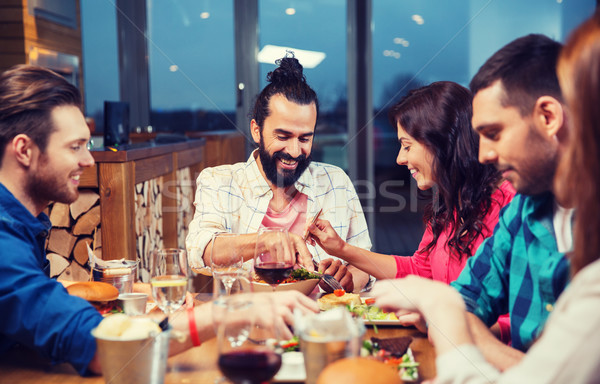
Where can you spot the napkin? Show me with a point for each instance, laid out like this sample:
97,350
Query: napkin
109,267
334,324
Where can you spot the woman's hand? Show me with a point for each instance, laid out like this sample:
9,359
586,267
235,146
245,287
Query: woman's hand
415,294
323,233
413,319
284,303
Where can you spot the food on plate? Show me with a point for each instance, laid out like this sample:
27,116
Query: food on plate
101,295
332,300
396,346
370,312
394,352
358,370
291,345
122,327
296,275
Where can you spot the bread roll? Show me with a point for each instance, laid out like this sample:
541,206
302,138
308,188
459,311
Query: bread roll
331,300
94,291
358,370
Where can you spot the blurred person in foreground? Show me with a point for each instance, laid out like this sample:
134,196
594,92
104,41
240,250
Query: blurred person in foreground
43,153
569,348
279,186
439,147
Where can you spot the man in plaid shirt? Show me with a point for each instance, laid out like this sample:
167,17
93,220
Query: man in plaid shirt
279,186
521,269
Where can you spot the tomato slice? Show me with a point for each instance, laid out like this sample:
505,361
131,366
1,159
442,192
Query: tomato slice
370,301
339,292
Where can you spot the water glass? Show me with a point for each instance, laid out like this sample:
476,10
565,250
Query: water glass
169,278
226,261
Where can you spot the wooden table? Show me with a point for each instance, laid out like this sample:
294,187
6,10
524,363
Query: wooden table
197,365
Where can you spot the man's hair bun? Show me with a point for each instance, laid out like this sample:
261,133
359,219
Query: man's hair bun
288,70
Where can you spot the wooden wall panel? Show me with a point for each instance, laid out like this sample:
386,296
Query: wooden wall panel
21,31
117,190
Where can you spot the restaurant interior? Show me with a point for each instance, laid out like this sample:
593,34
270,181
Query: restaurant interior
168,86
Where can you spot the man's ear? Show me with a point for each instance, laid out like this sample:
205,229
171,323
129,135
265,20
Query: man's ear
22,148
255,131
549,115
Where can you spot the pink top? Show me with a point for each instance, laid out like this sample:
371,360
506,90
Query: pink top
293,217
437,264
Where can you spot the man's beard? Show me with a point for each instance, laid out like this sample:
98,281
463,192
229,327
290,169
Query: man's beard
43,185
269,165
536,171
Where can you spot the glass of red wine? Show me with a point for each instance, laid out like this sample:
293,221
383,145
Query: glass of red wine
273,256
248,340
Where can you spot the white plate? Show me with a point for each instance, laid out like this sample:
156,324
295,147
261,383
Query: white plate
379,322
292,368
395,323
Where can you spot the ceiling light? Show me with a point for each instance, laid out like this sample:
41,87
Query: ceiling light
205,15
309,59
173,68
290,11
401,41
418,19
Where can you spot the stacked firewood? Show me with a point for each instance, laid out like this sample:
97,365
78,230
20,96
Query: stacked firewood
74,227
148,223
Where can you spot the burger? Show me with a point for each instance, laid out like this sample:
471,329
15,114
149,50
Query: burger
358,370
102,296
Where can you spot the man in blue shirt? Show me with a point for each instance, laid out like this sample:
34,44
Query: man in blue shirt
521,269
43,152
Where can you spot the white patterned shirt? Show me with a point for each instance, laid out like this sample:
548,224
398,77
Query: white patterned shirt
234,198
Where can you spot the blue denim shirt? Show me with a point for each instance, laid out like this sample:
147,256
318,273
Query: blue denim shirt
37,311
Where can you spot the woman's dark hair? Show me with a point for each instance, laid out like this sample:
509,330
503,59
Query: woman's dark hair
439,117
28,94
288,80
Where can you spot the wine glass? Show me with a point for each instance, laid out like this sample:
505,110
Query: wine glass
273,256
248,340
227,267
169,278
222,289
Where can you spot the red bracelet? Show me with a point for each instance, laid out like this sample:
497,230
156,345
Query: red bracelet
193,329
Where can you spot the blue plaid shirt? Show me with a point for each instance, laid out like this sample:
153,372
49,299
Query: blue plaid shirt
518,270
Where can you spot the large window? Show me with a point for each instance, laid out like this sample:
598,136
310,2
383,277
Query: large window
100,57
419,42
192,65
320,28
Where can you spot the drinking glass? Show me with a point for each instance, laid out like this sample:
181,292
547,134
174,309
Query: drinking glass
169,278
273,256
248,341
226,268
222,290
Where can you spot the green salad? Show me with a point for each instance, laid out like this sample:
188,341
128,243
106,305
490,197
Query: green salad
302,274
408,368
370,312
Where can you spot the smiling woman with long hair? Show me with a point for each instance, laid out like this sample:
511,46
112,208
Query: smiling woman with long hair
440,149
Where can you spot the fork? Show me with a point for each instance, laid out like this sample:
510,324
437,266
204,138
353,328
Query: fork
329,280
